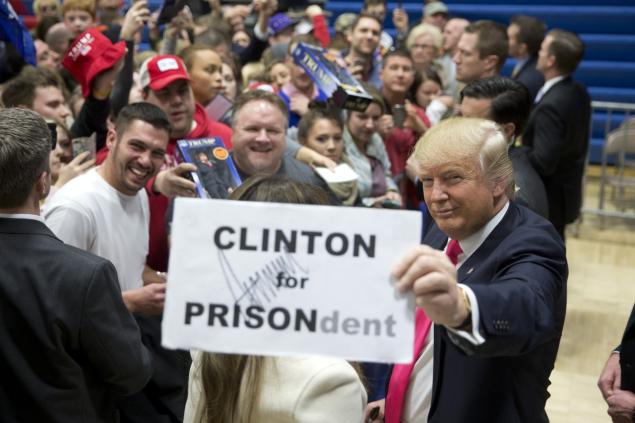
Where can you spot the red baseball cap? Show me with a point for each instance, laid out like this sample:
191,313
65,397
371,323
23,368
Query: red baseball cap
161,70
90,54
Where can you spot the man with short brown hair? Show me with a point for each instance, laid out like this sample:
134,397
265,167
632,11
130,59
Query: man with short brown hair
362,58
525,36
482,51
39,90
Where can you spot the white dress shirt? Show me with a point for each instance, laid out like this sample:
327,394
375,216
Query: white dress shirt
548,84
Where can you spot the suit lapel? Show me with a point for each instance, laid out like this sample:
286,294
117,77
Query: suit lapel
480,256
553,91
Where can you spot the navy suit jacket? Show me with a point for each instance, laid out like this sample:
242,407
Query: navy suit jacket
518,276
557,135
69,345
530,77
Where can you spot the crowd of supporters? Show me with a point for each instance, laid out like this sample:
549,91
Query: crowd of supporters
131,82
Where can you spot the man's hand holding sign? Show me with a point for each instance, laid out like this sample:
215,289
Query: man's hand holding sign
431,276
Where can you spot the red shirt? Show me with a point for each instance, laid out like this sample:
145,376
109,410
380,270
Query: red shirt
158,249
399,145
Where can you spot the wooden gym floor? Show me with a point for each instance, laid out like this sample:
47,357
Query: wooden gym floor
601,292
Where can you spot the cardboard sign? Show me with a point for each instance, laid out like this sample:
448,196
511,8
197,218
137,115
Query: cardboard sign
286,279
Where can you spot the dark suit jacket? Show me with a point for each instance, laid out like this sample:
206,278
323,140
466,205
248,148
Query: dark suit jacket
518,276
627,355
530,188
557,134
530,77
69,345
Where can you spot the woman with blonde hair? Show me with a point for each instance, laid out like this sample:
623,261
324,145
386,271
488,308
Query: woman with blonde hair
230,388
424,43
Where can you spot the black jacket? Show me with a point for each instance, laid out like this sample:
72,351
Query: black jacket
69,345
557,135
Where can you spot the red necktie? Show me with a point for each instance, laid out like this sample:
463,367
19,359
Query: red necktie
453,250
400,377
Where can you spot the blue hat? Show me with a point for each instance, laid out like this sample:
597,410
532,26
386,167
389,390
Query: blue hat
279,22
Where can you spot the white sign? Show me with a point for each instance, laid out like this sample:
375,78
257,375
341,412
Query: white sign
286,279
341,173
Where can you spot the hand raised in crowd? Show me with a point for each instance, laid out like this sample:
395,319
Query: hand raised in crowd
355,68
265,7
215,7
314,159
400,20
103,83
136,17
183,21
610,378
413,120
74,168
385,124
392,196
172,182
313,10
374,412
299,104
621,406
153,26
147,300
430,275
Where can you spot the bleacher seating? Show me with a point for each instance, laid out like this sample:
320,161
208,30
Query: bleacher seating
608,68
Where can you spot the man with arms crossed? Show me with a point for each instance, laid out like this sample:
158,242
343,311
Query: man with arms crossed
69,345
499,309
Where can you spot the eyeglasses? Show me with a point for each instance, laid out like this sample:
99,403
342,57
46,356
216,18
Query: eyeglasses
47,8
422,46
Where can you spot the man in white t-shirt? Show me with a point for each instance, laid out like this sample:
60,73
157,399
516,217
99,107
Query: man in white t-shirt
105,211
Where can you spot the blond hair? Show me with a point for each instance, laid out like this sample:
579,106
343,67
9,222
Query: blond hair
37,3
424,28
83,5
468,138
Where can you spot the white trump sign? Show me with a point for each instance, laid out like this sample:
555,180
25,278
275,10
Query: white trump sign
286,279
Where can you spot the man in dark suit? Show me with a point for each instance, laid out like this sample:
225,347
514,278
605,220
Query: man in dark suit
617,381
508,103
557,133
499,312
525,35
69,345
